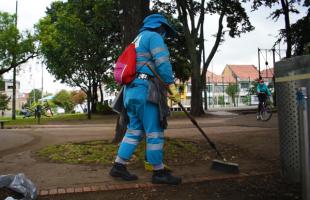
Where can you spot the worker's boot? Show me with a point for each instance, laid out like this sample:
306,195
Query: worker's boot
164,176
120,170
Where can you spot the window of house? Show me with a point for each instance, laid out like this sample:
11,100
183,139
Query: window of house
209,88
244,85
10,87
218,88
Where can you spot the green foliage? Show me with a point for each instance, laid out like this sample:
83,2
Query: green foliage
301,36
34,97
4,101
104,109
63,99
178,52
232,90
2,84
80,41
15,48
192,16
253,88
221,100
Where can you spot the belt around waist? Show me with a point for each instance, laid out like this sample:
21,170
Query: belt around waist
143,76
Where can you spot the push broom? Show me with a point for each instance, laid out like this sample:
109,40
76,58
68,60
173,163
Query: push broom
221,163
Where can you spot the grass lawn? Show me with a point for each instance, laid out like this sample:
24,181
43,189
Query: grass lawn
177,152
69,119
58,119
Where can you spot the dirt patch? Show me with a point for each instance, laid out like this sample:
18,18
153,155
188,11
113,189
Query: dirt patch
271,187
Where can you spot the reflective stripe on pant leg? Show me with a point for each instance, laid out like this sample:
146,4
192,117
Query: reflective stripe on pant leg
154,147
154,134
129,143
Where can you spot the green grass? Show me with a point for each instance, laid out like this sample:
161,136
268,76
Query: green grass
61,119
177,152
71,119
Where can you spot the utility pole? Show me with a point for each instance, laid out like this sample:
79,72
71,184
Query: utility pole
258,52
14,71
273,77
223,91
42,81
249,91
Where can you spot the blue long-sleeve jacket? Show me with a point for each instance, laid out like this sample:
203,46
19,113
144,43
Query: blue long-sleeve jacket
263,88
151,48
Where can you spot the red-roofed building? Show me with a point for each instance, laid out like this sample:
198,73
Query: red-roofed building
267,75
243,75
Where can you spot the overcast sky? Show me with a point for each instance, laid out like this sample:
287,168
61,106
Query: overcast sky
241,50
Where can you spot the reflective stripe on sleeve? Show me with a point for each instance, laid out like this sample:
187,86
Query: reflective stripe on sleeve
161,60
154,147
157,50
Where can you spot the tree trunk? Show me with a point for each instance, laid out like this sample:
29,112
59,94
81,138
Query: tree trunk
101,93
285,7
133,13
94,97
89,101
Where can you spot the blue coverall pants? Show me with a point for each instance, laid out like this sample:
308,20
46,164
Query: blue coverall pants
143,119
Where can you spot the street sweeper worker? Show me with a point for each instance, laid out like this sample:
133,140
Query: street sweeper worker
144,116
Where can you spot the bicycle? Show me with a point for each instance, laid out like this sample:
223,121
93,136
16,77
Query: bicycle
265,113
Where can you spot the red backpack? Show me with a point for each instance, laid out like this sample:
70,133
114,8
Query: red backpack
125,66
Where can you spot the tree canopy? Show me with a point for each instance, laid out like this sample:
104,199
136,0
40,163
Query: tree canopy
232,90
15,48
80,40
192,14
287,7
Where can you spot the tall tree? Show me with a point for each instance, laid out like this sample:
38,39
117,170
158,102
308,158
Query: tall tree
192,15
132,13
287,7
15,48
80,40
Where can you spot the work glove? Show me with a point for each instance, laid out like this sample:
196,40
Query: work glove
173,93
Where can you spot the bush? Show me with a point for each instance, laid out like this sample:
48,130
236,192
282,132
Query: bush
104,109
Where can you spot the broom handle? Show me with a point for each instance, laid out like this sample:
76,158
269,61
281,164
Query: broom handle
188,114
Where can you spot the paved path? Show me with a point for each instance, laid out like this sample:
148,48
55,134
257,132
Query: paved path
19,145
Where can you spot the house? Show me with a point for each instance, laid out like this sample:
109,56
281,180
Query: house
8,90
242,75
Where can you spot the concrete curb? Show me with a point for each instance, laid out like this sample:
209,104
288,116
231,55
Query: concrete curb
112,187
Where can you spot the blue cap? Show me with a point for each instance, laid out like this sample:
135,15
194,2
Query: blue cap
155,21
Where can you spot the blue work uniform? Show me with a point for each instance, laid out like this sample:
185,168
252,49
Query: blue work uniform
144,115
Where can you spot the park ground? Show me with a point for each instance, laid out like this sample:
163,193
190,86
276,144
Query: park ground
242,139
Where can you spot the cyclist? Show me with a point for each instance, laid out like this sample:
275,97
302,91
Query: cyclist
262,92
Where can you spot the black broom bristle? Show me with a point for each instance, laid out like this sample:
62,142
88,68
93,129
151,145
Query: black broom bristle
225,166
